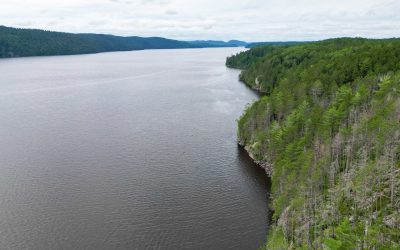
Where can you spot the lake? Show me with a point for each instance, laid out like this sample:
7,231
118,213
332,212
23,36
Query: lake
127,150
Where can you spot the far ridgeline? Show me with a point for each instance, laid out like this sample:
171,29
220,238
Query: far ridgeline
328,128
33,42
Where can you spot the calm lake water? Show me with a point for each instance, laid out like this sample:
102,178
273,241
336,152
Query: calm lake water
127,150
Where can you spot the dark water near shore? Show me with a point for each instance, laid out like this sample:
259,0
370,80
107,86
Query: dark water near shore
127,150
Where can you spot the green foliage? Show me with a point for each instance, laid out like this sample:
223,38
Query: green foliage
343,237
243,60
333,62
276,240
257,44
330,128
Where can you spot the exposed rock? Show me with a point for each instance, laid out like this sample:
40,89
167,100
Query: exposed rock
263,164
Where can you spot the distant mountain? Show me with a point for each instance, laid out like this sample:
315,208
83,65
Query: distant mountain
213,43
16,42
238,43
255,44
33,42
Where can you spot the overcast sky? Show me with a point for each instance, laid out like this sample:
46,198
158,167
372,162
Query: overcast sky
250,20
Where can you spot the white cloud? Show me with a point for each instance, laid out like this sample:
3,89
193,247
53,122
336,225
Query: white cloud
171,12
252,20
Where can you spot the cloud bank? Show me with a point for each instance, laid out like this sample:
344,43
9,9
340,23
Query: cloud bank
250,20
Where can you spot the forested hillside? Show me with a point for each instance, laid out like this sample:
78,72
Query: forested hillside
30,42
329,130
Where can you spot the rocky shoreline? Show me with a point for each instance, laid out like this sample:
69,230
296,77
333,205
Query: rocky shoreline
262,164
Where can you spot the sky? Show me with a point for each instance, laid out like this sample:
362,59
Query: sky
249,20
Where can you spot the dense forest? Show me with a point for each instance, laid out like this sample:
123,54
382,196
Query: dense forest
31,42
328,131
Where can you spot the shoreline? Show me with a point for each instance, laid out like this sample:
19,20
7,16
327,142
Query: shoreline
264,165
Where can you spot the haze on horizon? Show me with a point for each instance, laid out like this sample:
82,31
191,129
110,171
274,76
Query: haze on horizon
250,20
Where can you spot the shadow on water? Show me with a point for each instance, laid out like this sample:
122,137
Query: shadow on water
258,174
253,169
256,92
